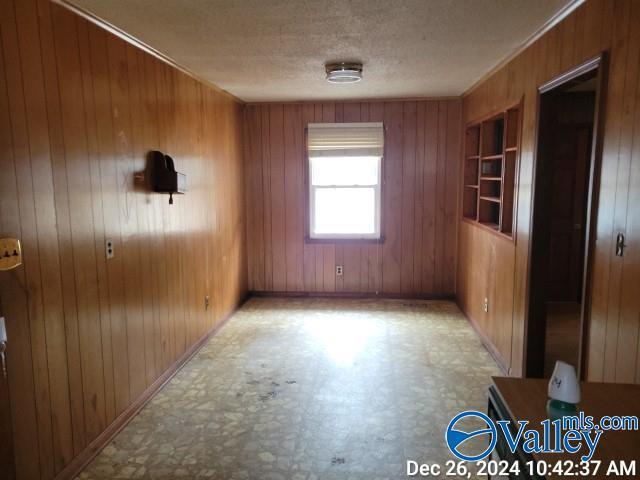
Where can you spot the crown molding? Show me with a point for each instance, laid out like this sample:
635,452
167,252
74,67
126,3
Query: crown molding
353,100
140,44
560,15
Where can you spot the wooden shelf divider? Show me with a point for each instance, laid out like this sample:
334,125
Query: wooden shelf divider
493,226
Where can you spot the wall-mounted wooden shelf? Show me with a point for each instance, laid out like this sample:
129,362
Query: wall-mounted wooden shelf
492,150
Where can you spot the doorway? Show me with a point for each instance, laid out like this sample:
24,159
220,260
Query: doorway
563,213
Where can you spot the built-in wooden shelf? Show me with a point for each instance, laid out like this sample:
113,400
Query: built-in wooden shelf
492,226
492,148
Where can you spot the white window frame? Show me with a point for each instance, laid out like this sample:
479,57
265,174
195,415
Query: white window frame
376,235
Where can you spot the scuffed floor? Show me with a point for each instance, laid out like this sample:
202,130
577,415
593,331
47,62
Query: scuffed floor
310,389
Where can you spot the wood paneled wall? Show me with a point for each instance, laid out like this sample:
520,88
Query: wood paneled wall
419,205
79,109
496,268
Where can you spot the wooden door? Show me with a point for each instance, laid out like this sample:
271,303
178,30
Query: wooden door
7,466
567,214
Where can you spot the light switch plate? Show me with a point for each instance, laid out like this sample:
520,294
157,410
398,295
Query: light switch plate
10,253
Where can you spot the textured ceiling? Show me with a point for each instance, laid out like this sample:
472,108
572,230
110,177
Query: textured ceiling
268,50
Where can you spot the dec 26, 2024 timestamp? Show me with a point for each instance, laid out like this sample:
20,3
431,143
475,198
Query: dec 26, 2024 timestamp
534,468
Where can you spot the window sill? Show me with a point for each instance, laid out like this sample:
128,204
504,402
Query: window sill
338,240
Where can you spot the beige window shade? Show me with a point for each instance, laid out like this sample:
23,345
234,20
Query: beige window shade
345,139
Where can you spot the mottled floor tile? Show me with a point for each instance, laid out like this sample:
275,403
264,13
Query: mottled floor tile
308,389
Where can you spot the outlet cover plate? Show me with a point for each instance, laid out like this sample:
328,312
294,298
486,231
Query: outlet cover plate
109,249
10,253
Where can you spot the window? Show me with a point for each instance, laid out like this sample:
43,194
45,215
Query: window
345,162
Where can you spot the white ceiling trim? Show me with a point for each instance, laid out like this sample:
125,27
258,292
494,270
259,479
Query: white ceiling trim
552,22
118,32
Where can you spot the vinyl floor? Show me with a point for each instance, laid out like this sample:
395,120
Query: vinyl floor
310,389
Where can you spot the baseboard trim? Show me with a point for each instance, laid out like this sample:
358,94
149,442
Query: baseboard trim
363,295
78,464
488,344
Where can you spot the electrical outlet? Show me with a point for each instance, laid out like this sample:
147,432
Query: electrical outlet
110,251
207,302
338,270
485,307
10,253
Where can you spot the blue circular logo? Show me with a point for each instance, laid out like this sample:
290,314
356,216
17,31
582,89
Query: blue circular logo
456,437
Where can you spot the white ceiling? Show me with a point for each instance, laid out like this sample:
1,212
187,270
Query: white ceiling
272,50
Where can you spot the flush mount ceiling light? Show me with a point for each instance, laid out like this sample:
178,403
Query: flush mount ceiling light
343,72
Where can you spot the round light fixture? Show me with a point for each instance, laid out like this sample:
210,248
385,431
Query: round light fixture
343,72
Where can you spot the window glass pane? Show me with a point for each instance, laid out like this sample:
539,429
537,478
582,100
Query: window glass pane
345,170
345,210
